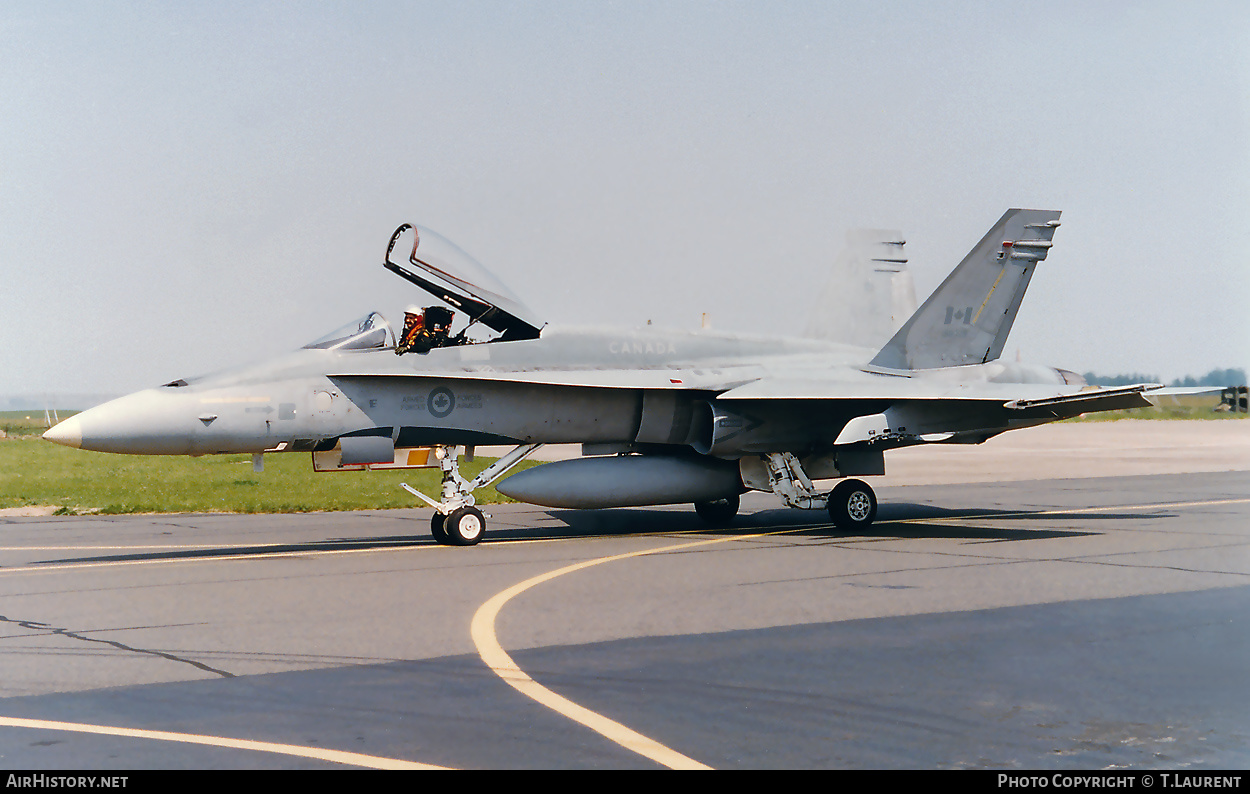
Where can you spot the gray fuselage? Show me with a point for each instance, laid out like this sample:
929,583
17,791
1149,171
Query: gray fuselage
572,385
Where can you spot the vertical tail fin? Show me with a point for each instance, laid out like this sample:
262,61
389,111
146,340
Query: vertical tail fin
869,294
966,320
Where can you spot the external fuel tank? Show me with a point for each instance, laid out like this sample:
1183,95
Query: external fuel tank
624,481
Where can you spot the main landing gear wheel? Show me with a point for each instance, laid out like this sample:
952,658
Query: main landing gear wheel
464,526
718,512
852,505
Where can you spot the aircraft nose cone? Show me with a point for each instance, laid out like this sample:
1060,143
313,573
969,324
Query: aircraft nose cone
67,433
149,422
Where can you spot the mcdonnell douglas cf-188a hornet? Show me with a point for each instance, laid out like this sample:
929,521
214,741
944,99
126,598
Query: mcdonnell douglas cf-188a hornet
663,417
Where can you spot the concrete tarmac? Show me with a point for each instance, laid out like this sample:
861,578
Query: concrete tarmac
1076,623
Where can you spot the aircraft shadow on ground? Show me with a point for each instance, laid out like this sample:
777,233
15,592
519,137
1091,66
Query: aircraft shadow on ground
895,520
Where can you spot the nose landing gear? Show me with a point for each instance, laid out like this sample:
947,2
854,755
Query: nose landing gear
456,521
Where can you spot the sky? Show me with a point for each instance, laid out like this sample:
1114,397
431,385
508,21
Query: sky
189,186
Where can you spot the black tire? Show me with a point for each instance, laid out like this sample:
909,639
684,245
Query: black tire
436,527
465,526
852,505
718,512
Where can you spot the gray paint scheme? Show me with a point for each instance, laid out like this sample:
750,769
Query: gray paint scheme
869,293
626,481
783,408
967,319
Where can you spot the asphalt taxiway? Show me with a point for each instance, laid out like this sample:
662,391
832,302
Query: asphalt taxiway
1063,623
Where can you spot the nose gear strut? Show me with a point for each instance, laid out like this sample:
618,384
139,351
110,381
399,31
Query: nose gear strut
456,520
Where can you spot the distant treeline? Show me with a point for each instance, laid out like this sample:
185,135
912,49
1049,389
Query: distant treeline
1216,377
37,402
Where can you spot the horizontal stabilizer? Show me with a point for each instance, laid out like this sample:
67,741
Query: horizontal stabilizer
1112,399
1187,391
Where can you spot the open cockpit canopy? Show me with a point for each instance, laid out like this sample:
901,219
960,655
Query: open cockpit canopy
368,333
442,269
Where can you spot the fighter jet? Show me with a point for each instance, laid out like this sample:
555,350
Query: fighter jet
662,416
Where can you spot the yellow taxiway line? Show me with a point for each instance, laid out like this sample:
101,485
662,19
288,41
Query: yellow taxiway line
317,753
491,652
296,552
498,660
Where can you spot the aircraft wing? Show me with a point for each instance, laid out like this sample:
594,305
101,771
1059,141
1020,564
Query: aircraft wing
908,411
884,387
751,382
904,411
670,379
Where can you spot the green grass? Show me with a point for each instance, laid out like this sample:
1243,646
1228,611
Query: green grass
27,423
35,472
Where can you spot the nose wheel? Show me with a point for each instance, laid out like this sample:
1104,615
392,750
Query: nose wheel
436,527
464,527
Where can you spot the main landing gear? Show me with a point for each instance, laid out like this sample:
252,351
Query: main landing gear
718,512
852,505
456,520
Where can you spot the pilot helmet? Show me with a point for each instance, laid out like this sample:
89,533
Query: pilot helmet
414,317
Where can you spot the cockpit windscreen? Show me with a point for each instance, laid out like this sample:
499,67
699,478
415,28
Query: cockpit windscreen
368,333
449,274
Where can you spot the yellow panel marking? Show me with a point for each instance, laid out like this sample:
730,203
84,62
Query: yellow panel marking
988,294
418,457
335,756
